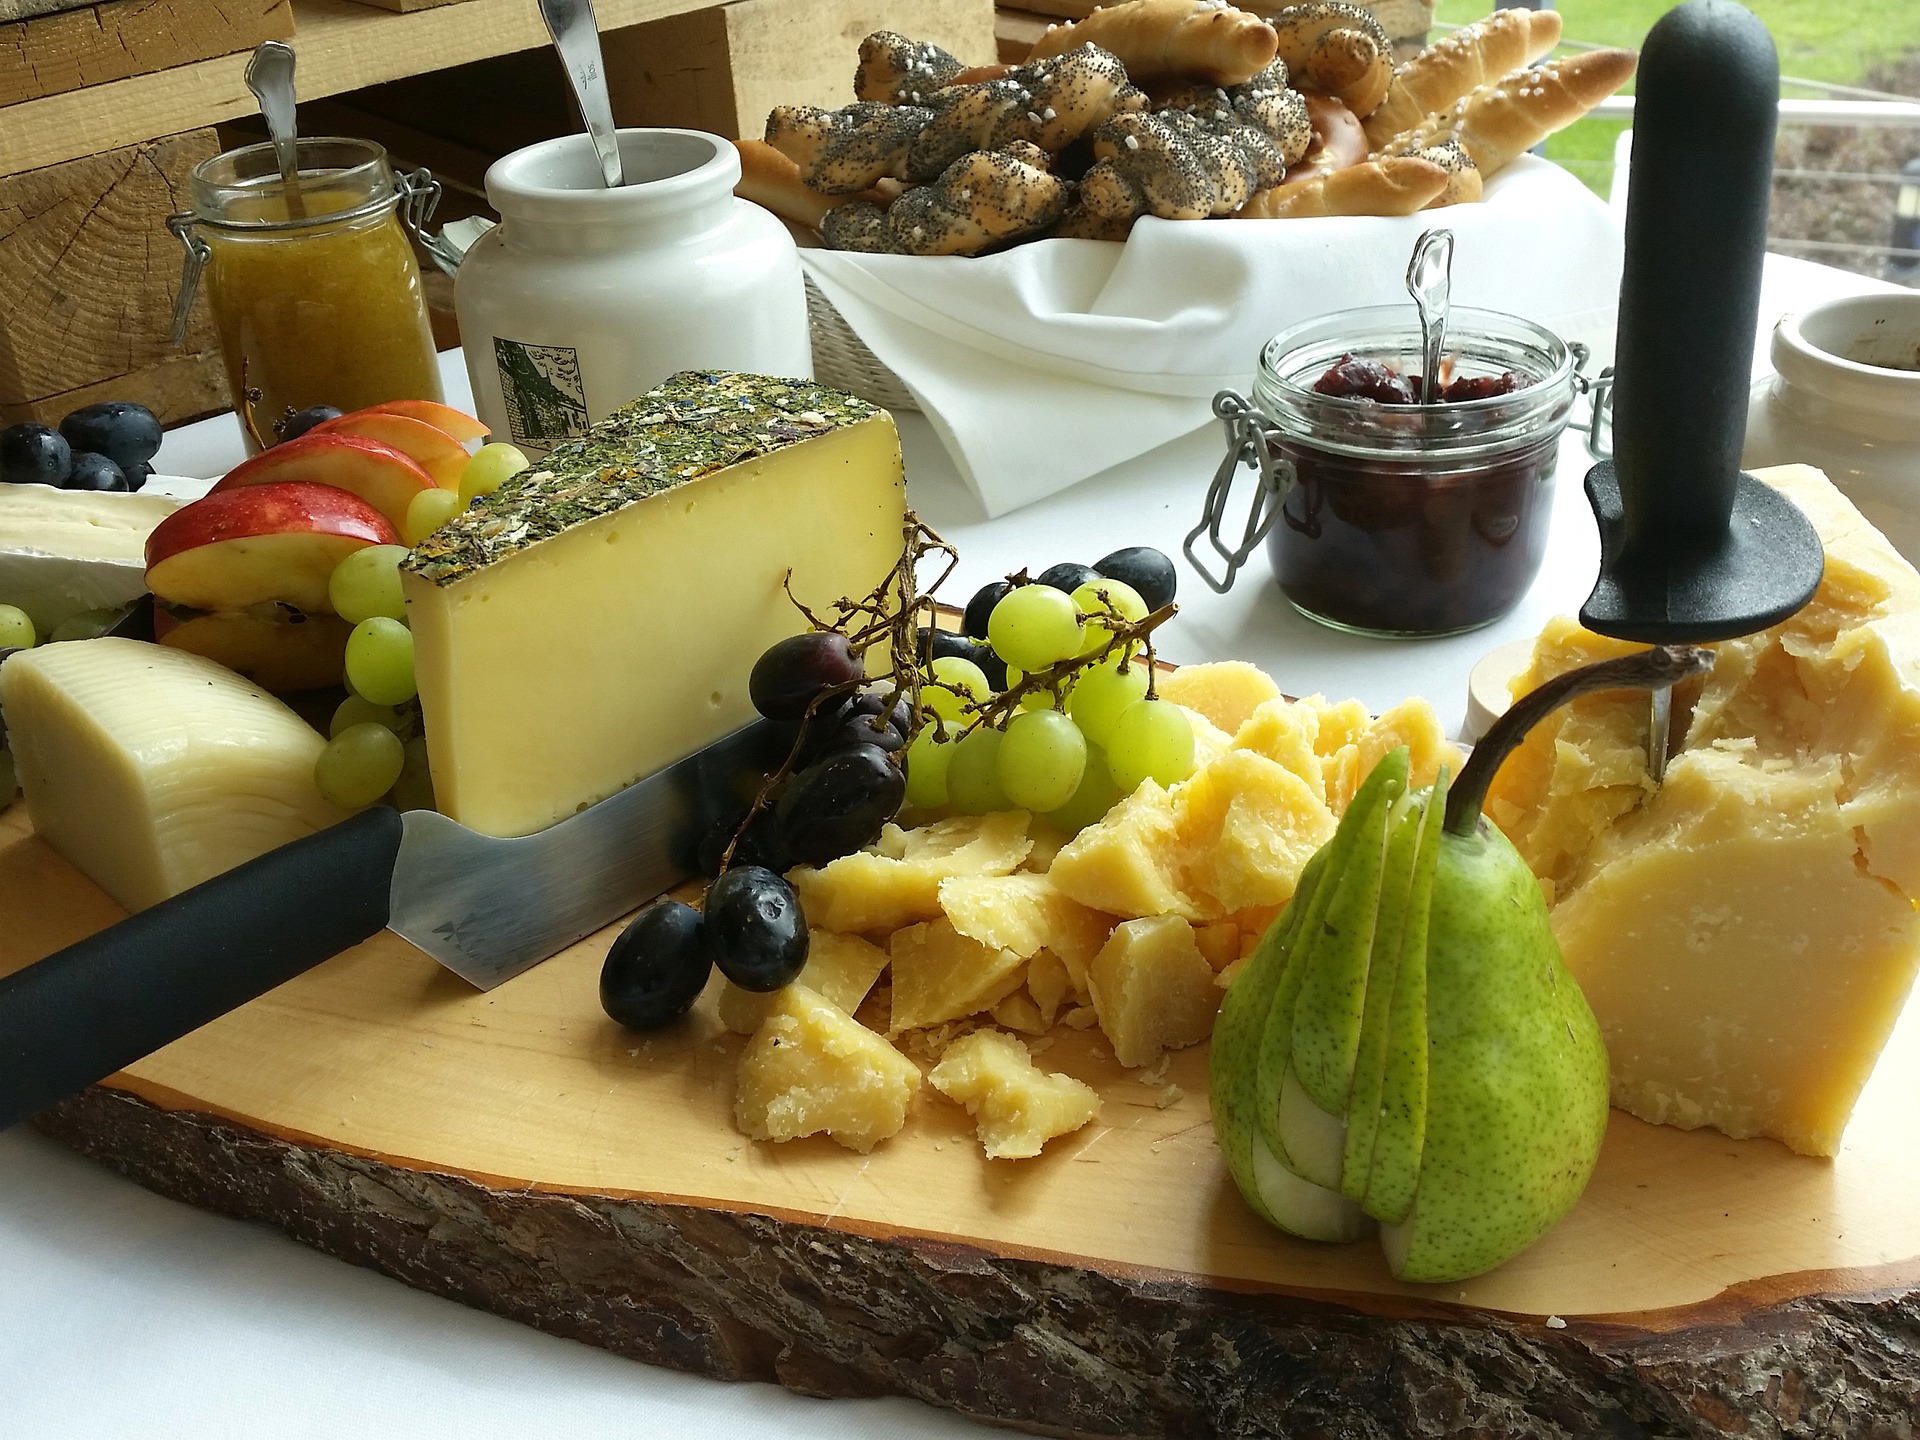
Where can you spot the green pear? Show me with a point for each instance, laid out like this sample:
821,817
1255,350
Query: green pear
1516,1070
1406,1045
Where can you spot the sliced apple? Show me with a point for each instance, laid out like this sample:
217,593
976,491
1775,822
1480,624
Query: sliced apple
437,452
277,647
260,543
379,474
457,423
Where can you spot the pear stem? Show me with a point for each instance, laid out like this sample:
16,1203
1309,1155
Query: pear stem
1657,669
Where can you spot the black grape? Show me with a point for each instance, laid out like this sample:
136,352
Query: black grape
1148,571
834,807
786,678
657,968
754,929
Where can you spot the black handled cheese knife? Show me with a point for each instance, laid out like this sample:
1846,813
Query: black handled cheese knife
1692,548
485,908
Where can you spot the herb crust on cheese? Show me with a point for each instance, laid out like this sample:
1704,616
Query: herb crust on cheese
693,424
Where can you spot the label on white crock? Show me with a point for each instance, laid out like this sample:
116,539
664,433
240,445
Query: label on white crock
541,387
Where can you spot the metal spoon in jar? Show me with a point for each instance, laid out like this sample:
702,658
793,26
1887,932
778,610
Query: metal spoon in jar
270,78
576,35
1430,282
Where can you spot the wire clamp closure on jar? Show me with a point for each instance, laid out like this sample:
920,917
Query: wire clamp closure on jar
1249,442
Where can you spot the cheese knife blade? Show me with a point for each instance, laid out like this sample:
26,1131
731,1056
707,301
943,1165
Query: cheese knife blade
484,907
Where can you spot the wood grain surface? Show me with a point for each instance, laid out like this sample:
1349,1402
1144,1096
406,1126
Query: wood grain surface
528,1107
91,276
94,44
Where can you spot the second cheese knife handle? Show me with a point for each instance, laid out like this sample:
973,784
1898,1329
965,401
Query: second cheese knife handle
96,1007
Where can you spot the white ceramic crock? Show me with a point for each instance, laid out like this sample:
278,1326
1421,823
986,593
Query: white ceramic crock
584,298
1839,403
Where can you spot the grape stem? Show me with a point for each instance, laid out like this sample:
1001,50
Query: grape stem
1122,635
889,612
1658,668
249,395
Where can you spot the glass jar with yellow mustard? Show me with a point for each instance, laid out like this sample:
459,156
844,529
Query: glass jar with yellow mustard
315,291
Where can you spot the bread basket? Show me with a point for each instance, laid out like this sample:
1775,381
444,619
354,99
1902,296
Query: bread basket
841,358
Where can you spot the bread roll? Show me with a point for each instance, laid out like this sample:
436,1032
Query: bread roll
1474,55
1178,40
1338,49
1511,116
1396,185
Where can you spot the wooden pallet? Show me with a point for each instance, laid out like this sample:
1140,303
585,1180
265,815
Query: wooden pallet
96,44
518,1152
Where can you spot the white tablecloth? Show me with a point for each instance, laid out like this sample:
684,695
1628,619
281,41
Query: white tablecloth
122,1314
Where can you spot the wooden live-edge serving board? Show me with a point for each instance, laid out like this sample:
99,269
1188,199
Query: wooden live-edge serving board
517,1151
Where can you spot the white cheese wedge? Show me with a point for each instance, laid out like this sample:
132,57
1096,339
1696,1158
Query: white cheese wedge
65,551
597,618
1746,931
152,769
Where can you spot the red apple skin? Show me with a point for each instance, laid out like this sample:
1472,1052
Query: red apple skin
277,649
379,474
457,423
260,543
437,452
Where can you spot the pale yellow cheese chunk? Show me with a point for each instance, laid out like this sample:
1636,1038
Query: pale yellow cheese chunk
897,881
65,551
1226,692
1025,914
1017,1106
939,975
1152,989
811,1068
567,669
1745,931
152,769
840,969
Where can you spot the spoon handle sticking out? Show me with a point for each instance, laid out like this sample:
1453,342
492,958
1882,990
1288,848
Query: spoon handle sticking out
1430,282
576,35
270,78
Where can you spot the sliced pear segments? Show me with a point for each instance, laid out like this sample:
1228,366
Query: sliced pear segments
1237,1030
1370,1059
1276,1045
1302,1208
1401,1118
1336,955
1316,1142
1517,1074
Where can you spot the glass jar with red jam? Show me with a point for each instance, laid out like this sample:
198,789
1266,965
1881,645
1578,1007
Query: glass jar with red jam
1405,519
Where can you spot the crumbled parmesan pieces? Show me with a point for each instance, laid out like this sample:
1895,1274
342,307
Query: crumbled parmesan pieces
1017,1106
812,1069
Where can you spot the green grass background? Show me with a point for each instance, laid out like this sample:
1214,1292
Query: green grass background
1832,40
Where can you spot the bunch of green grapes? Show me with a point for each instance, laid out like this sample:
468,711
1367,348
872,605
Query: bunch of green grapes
1077,741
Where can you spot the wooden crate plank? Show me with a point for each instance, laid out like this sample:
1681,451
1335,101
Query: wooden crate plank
724,69
100,43
93,272
1015,32
343,46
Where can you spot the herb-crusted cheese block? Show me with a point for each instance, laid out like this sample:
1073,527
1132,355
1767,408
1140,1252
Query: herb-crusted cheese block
596,617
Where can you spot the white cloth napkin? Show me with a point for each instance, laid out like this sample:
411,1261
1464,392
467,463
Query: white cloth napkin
1053,361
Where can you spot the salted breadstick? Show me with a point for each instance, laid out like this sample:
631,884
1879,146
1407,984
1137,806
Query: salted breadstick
770,179
844,151
1511,116
1338,49
897,71
1398,185
1474,55
1177,40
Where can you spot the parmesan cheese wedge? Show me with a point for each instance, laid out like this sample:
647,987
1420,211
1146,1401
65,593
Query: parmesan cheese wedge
152,769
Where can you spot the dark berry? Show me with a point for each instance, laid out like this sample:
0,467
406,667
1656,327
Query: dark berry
1067,576
981,606
33,454
657,968
864,728
1149,572
792,672
138,476
125,433
297,423
834,807
759,845
96,472
754,929
1480,387
1354,379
